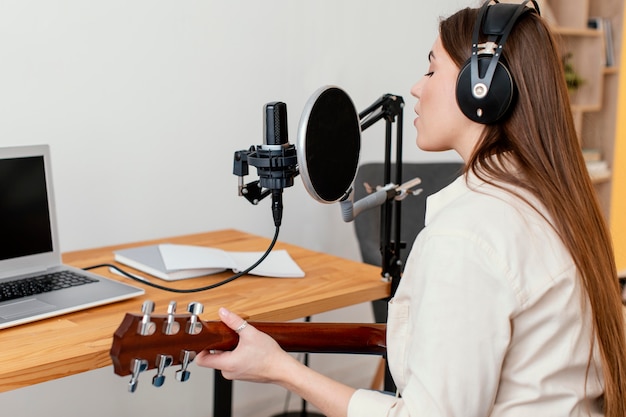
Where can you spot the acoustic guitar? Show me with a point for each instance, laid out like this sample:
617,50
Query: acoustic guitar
148,341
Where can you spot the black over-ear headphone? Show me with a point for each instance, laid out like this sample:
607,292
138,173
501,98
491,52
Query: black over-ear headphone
485,88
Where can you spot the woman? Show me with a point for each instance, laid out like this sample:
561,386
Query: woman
509,304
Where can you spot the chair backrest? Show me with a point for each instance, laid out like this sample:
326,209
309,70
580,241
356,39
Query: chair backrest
434,176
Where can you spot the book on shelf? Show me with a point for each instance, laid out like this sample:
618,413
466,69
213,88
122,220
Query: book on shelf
598,170
604,24
172,262
592,154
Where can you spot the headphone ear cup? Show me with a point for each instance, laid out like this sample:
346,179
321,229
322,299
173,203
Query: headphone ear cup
496,103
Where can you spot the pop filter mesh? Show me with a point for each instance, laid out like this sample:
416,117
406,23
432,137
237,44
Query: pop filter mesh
329,143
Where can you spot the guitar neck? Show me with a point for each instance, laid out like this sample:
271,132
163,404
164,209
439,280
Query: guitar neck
129,344
327,337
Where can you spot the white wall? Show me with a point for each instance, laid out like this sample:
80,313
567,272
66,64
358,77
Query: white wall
144,102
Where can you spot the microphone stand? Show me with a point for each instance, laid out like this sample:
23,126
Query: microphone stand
389,107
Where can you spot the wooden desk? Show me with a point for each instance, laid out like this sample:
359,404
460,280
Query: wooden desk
79,342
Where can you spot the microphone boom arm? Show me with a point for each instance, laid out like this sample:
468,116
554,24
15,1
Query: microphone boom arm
350,209
389,107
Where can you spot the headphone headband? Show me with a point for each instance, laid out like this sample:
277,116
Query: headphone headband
497,24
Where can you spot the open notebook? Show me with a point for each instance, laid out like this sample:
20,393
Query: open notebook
30,258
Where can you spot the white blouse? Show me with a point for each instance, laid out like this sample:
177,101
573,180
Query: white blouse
488,319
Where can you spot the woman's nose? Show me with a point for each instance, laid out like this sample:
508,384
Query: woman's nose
416,90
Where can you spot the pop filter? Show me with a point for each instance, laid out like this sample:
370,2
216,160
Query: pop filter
329,144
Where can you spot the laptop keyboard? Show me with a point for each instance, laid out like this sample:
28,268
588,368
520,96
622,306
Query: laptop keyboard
40,284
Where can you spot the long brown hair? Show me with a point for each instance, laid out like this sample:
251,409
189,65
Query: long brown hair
539,134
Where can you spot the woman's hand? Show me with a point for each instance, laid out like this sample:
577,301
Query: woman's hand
257,357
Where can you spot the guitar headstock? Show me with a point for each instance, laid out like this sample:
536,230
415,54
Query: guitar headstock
149,341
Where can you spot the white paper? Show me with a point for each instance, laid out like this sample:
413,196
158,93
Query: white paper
176,257
277,264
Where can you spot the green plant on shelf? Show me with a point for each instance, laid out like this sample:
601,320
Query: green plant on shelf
573,80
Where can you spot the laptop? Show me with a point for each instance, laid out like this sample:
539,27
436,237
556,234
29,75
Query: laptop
30,258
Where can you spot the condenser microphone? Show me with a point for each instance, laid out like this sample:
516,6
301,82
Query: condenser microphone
275,159
279,168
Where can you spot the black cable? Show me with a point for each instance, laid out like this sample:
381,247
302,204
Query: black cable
191,290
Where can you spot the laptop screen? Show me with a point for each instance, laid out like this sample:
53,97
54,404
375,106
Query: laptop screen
24,208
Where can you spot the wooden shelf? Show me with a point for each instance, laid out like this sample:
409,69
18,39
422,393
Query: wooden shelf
594,104
581,108
568,31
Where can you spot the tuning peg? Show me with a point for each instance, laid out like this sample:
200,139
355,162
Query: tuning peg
138,366
186,357
193,325
171,326
146,326
162,361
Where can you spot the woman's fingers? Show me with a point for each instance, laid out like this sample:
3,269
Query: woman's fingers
232,320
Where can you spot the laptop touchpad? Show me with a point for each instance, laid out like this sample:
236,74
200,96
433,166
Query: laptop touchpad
23,307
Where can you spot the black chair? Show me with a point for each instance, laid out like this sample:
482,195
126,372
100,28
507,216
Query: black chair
434,176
